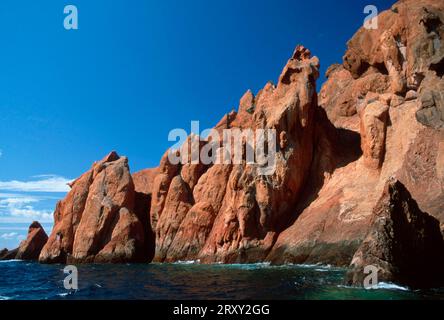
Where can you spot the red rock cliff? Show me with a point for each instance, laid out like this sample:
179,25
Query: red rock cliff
379,117
97,221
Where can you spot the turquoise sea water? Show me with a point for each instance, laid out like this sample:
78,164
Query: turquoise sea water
24,281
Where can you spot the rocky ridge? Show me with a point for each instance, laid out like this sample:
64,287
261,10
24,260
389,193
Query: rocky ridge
363,155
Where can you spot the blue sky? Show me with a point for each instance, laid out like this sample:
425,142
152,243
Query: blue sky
132,72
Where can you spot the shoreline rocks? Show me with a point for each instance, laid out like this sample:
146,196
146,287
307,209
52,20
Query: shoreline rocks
6,254
404,243
30,248
378,115
97,221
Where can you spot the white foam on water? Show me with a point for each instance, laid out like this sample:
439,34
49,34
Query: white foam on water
312,265
379,286
391,286
5,298
12,260
188,262
317,267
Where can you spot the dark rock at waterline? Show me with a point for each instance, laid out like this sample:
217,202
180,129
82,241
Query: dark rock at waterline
6,254
404,243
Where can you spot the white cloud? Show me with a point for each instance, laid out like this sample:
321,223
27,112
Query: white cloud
1,153
18,201
29,213
9,236
14,228
20,208
44,183
26,201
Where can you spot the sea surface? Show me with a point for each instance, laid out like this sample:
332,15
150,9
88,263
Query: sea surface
21,280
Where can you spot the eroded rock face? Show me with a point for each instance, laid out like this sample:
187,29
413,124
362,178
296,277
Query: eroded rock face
373,121
404,243
67,216
31,247
193,232
403,55
366,97
231,213
97,221
431,111
379,116
161,184
143,180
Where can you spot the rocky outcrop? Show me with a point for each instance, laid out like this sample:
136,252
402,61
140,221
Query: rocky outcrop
143,180
229,213
6,254
431,111
379,115
403,55
404,243
97,221
366,96
373,128
31,247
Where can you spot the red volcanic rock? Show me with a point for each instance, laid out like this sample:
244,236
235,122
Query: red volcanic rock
30,248
232,213
431,110
333,219
97,221
107,217
404,243
322,202
67,216
196,226
373,131
160,187
395,58
341,94
318,204
422,171
143,180
177,203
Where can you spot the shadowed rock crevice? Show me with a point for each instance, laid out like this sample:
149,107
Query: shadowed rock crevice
333,148
438,67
